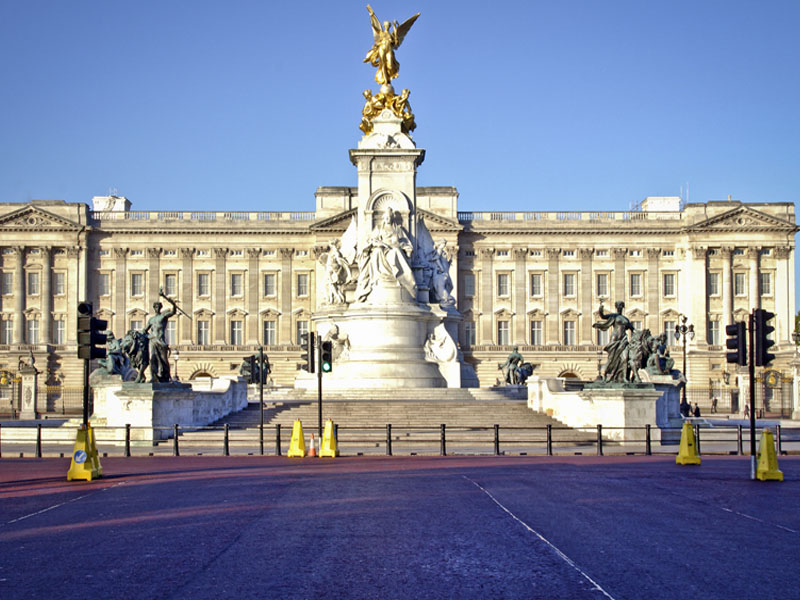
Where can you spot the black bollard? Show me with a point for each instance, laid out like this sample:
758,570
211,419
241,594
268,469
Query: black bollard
127,439
599,440
175,450
277,439
226,450
443,448
648,449
496,439
549,439
38,440
388,439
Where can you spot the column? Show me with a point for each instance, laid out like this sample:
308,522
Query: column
619,255
726,254
486,292
253,295
784,294
586,288
19,293
754,291
74,294
120,290
47,297
186,293
154,274
695,306
553,297
220,294
520,295
653,290
285,327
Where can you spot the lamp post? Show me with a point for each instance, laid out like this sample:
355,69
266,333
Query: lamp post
684,331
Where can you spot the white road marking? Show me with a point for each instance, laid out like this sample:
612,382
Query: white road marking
752,518
563,556
49,508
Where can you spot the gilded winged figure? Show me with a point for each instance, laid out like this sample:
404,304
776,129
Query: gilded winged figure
388,38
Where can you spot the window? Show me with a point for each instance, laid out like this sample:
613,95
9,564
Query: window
469,333
503,338
669,329
536,284
739,284
59,332
635,253
137,324
536,252
170,253
137,284
237,253
236,285
6,332
713,333
636,284
502,284
301,253
302,285
203,284
601,253
237,330
269,333
602,337
7,284
637,325
766,284
536,333
269,284
766,251
302,327
502,253
738,251
569,333
668,253
170,284
33,331
104,284
269,252
171,333
569,252
203,333
203,253
136,253
569,284
669,284
602,284
101,253
33,284
713,284
59,283
469,285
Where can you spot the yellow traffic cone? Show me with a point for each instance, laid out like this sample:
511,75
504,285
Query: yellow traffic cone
297,449
312,452
768,459
85,464
329,447
687,455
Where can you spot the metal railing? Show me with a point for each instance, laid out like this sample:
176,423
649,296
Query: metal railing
568,216
202,217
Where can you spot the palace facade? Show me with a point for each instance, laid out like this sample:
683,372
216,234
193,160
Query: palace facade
529,279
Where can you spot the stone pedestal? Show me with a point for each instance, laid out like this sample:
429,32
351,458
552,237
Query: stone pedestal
30,397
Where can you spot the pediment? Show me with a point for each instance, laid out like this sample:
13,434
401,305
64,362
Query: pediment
743,218
33,218
337,222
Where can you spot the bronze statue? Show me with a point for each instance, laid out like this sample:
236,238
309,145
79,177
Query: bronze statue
617,346
509,367
387,39
159,349
135,346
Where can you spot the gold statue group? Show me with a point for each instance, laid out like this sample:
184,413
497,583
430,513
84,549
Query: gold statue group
387,38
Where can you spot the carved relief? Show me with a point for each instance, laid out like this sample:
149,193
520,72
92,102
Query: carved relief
782,252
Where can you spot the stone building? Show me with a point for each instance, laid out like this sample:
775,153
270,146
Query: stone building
528,279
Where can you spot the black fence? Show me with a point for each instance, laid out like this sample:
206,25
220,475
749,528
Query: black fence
770,402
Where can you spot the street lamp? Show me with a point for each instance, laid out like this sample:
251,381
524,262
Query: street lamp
684,331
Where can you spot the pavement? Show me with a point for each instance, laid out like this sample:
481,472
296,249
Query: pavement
396,527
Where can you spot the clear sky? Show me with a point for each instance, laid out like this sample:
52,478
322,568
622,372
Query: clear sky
522,105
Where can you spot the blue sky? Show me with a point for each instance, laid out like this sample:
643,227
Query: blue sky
250,105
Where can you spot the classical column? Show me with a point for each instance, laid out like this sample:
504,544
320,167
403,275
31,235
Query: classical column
784,294
19,293
619,255
653,290
120,290
285,329
47,297
74,294
726,253
253,295
754,291
186,295
695,306
586,289
154,278
520,295
220,294
487,296
553,296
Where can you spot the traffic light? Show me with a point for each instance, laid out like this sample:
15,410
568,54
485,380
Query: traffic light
737,341
90,333
763,343
307,342
326,357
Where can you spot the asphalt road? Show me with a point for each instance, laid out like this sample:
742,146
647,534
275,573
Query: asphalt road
382,527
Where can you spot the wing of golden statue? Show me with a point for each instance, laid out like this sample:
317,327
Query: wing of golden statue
403,29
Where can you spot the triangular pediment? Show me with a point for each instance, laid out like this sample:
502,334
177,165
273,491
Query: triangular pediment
33,218
338,222
743,218
438,223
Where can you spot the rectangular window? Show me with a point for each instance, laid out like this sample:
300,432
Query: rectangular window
59,283
713,284
33,331
203,284
469,333
269,284
739,284
713,333
635,253
171,333
569,333
636,284
738,251
136,324
469,285
302,327
269,333
601,253
6,332
602,284
569,284
502,253
302,285
502,284
766,284
569,252
170,284
602,337
137,284
236,285
59,332
536,333
503,337
669,284
237,330
668,253
536,284
104,284
669,329
637,325
7,283
203,333
33,284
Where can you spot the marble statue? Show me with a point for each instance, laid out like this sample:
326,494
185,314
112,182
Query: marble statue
440,345
340,342
337,273
442,284
385,255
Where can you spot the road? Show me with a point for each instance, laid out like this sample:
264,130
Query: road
389,527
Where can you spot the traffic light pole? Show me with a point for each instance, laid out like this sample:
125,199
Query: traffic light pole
85,393
319,391
261,396
752,367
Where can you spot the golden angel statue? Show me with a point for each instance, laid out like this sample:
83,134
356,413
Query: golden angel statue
388,38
